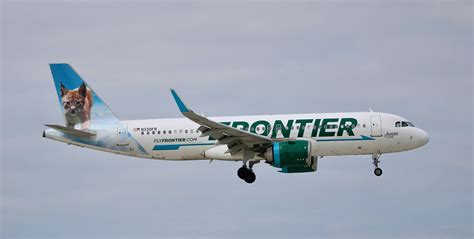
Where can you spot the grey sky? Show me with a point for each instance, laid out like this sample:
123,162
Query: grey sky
411,59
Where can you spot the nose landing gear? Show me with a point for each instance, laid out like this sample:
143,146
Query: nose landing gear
375,158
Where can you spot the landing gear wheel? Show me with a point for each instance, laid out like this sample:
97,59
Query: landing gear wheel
378,171
246,174
242,172
250,177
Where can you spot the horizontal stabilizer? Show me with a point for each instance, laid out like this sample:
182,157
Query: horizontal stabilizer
71,131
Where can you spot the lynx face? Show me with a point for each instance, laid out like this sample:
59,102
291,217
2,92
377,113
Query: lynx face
77,106
73,100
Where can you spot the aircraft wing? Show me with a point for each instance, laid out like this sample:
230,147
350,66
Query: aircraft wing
234,138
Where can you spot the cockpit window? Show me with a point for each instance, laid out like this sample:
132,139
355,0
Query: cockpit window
403,124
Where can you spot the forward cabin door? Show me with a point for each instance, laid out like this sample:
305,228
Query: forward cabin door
376,125
122,135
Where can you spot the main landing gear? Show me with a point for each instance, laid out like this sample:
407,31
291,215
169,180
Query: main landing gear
375,158
247,174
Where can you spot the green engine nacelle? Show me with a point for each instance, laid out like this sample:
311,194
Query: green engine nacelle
293,156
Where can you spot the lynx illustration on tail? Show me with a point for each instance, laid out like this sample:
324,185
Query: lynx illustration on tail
77,106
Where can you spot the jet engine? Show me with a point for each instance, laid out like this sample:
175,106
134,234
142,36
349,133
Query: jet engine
295,156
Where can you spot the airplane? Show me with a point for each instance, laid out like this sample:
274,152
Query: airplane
293,143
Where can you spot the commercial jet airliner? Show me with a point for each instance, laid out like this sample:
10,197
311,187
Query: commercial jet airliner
293,143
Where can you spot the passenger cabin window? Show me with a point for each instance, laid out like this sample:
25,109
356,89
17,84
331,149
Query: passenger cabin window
331,126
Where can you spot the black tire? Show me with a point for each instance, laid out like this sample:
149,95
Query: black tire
250,177
378,171
242,172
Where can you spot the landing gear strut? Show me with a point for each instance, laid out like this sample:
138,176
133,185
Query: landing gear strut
247,174
375,158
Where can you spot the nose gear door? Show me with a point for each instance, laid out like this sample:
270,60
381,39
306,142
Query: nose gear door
375,126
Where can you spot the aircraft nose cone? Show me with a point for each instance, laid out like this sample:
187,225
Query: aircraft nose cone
423,138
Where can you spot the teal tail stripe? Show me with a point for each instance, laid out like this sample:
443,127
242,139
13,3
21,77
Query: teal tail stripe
176,146
362,137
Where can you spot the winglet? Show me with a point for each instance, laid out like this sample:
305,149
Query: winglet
182,107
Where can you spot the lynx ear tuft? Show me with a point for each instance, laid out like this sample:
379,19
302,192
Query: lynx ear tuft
83,89
64,90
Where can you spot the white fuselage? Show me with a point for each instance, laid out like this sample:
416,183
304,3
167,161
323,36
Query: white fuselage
178,139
